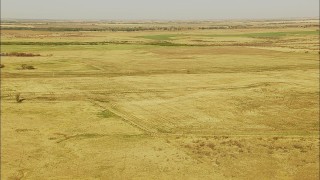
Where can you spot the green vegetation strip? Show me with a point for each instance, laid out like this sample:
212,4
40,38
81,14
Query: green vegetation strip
160,36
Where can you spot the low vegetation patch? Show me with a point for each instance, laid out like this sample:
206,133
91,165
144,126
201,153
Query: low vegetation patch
106,114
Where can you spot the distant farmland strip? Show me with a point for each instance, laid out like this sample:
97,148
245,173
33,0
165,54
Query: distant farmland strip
262,43
154,28
126,29
267,34
158,43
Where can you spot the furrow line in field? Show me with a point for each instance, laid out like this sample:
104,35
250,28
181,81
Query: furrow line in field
126,118
159,118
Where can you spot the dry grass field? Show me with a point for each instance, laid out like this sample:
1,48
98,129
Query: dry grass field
160,100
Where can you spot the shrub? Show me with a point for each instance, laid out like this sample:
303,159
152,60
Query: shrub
18,98
25,66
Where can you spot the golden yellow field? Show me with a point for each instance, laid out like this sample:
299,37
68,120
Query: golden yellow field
160,100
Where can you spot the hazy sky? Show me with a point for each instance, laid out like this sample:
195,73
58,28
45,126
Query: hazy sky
158,9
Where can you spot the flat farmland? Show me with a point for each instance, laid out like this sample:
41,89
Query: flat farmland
160,100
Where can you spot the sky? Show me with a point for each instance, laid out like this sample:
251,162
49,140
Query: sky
158,9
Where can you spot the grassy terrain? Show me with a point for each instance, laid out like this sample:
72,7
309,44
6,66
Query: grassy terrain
202,101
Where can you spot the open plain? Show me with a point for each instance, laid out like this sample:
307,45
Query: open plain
160,100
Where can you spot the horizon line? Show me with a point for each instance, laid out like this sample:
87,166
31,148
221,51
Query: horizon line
202,19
